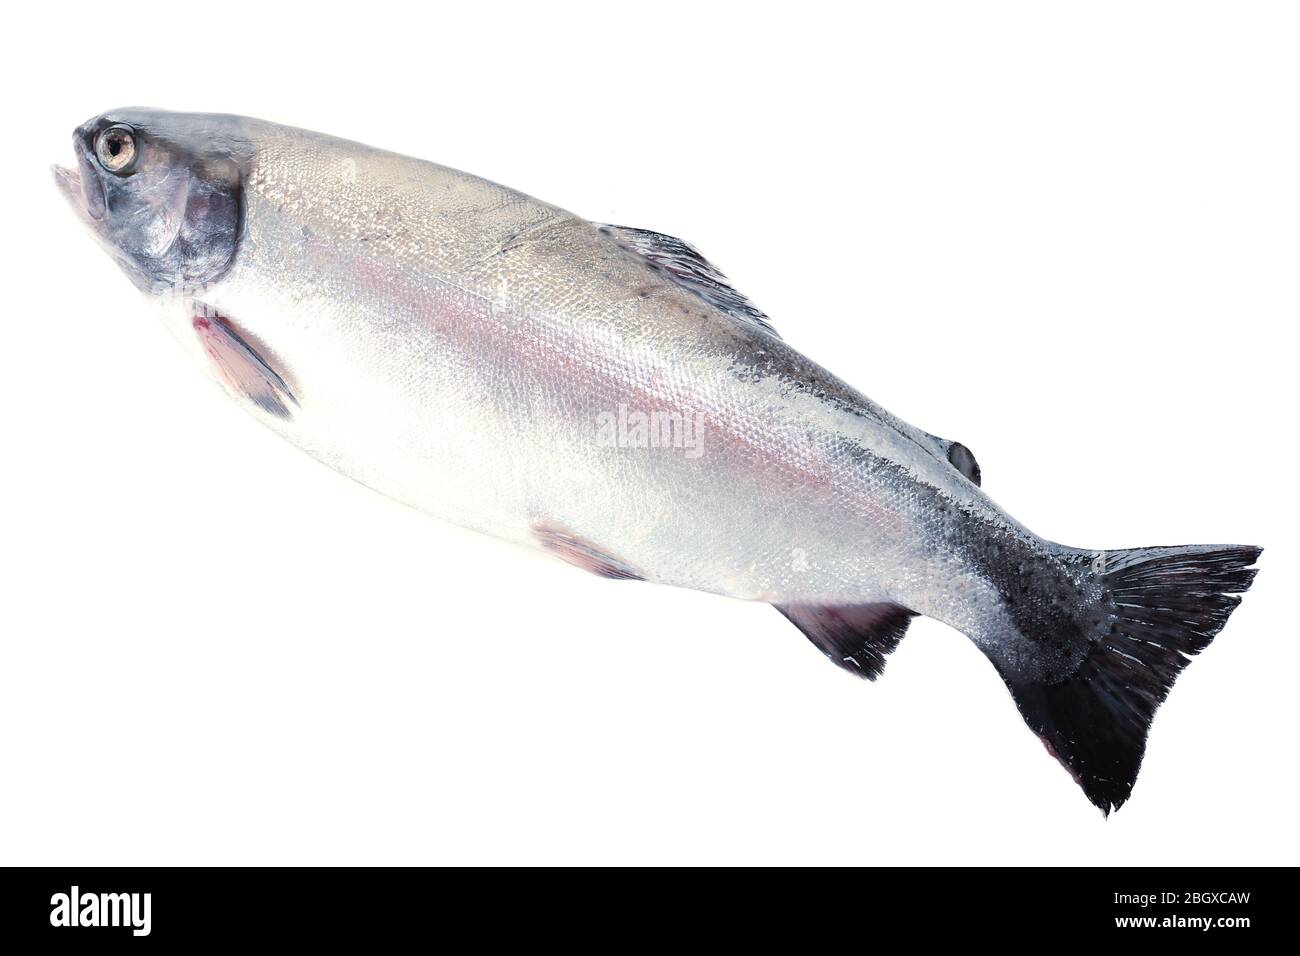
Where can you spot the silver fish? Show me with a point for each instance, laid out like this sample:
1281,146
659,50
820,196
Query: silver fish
602,392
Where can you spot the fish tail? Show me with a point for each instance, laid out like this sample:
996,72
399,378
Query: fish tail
1158,607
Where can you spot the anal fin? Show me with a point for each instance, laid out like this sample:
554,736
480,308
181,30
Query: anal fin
857,637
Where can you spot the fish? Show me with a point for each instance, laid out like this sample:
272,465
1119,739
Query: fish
604,393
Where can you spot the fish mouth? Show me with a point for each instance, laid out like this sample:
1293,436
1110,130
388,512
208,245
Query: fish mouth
69,183
81,187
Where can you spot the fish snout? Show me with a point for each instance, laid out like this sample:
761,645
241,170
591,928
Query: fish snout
82,186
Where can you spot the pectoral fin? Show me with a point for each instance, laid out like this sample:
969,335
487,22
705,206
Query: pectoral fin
241,367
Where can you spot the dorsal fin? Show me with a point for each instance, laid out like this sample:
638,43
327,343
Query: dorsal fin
684,264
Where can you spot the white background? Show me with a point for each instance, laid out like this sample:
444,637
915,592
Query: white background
1065,235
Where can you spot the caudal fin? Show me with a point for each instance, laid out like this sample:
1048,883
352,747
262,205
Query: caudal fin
1164,605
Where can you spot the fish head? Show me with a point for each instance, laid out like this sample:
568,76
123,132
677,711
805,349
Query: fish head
161,192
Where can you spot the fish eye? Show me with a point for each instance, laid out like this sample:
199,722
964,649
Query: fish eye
115,149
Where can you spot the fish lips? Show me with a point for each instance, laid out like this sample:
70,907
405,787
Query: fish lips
82,187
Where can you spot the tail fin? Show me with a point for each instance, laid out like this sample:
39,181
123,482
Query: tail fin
1166,604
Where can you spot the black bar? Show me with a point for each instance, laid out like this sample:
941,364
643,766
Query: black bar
374,906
